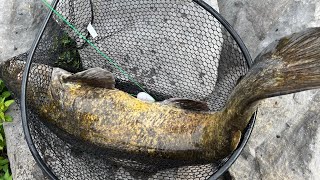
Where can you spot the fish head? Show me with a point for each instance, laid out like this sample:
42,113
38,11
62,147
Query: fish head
11,72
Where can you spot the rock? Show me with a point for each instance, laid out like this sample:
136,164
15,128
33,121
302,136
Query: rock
286,138
213,4
260,22
284,141
22,164
19,21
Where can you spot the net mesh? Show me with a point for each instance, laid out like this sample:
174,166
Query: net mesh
172,48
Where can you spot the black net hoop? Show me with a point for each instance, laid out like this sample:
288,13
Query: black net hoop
171,48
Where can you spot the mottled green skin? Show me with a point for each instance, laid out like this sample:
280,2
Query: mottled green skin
114,119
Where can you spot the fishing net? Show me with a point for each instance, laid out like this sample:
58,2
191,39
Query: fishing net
168,48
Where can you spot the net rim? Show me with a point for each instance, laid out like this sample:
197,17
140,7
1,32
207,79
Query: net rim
25,126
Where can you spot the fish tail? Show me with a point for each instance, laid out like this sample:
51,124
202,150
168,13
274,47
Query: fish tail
288,65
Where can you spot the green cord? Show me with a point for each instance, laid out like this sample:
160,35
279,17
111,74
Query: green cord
95,47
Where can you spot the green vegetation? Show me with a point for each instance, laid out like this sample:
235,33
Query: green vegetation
5,102
69,57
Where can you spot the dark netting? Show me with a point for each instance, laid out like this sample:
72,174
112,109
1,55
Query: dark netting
173,48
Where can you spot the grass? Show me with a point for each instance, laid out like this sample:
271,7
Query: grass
68,55
5,102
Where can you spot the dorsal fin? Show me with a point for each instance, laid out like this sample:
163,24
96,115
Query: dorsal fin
96,77
187,104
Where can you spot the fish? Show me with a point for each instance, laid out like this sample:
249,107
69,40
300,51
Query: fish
87,105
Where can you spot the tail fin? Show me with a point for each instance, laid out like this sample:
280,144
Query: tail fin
288,65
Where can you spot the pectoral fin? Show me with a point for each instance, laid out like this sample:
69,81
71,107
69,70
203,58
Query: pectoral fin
187,104
96,77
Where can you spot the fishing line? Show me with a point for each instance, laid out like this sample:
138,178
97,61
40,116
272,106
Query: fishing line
92,45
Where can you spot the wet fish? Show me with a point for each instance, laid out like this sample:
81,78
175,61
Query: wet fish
87,106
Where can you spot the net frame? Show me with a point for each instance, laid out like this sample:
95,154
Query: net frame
24,107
